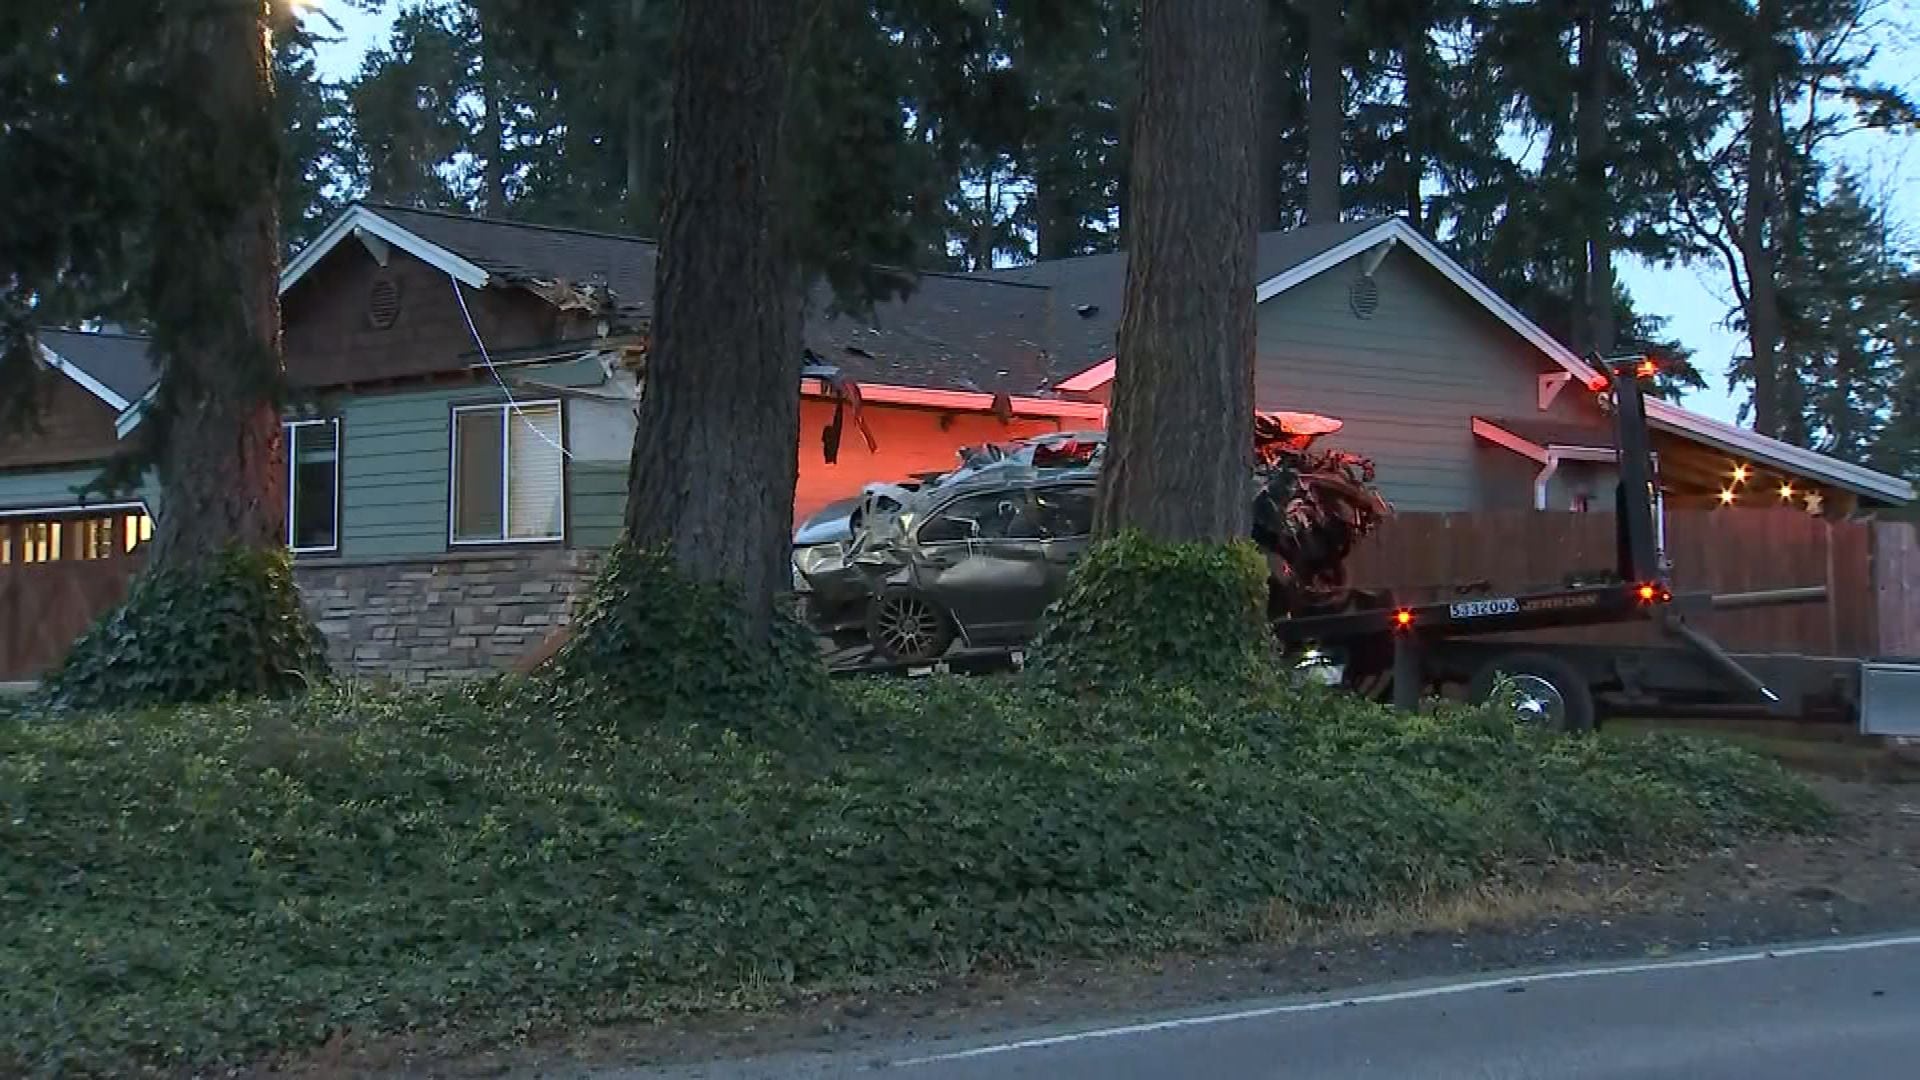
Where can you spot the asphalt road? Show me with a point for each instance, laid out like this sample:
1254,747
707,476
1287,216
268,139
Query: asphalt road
1826,1009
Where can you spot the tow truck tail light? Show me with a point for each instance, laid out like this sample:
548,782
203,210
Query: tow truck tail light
1402,618
1653,594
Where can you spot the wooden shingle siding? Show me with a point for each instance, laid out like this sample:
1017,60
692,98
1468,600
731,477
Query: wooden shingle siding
74,427
331,341
1408,382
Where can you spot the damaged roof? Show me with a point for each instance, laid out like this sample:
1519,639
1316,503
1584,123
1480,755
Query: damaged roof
1019,329
953,332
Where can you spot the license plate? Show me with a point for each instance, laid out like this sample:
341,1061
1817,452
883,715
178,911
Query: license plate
1478,609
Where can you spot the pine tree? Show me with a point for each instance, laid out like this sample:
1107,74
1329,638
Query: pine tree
728,311
1182,433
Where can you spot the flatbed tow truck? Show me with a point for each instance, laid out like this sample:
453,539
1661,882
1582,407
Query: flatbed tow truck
1402,651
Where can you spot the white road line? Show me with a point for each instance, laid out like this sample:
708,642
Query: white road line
1418,993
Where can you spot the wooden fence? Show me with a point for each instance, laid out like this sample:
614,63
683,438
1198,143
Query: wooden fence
1896,587
45,606
1871,609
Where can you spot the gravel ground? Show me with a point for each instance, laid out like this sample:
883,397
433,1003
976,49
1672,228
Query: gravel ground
1864,879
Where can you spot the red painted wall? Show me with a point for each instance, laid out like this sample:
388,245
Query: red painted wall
911,440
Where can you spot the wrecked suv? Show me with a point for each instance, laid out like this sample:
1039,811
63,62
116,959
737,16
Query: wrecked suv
976,555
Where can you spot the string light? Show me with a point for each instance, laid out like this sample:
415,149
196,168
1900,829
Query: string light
1727,495
1786,491
1740,473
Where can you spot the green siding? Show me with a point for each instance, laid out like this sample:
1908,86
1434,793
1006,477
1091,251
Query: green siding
596,503
27,489
1408,382
395,456
393,470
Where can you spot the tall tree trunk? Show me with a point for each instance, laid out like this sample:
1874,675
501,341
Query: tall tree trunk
216,311
715,453
1596,197
493,192
641,211
1182,424
1056,225
1420,104
1763,300
1326,112
1276,116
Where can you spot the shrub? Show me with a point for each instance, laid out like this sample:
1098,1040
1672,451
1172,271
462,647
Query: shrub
231,624
659,644
1139,610
189,886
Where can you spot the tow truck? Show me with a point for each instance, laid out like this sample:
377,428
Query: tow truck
1401,651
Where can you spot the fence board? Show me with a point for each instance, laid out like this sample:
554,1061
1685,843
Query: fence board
1428,556
1896,584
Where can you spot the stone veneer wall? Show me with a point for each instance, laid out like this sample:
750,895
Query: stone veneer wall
426,619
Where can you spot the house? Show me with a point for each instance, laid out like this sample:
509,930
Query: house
464,397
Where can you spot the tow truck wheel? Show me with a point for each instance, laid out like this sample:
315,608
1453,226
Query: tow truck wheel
1545,690
905,625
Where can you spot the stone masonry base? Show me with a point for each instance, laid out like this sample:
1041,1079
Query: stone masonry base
446,616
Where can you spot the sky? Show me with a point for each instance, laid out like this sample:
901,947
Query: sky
1695,299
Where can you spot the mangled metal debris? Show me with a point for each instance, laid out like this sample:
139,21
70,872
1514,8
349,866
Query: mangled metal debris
976,554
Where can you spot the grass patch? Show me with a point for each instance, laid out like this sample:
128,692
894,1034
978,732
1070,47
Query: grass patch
205,884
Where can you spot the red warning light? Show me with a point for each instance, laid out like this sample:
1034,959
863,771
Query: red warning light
1648,592
1403,618
1597,384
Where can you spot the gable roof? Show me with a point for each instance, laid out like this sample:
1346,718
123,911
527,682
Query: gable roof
953,332
1662,415
1088,290
116,368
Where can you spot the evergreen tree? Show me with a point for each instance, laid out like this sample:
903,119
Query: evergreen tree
1182,423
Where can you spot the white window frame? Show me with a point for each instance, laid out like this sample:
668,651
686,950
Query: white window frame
287,429
508,410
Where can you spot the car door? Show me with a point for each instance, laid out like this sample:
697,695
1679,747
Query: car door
1065,512
983,559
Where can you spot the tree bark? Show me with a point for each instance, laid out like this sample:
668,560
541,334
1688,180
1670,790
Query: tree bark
493,126
1326,112
1763,301
1182,425
1276,115
1420,105
216,309
1596,201
715,453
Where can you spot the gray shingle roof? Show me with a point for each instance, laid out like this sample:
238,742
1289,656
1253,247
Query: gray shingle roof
1017,329
120,362
1088,291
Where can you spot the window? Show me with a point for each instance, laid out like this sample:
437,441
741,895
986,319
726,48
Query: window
313,485
139,529
40,542
1066,512
96,538
995,515
508,473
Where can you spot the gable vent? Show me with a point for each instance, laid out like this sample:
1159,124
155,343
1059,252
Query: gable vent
383,303
1364,296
